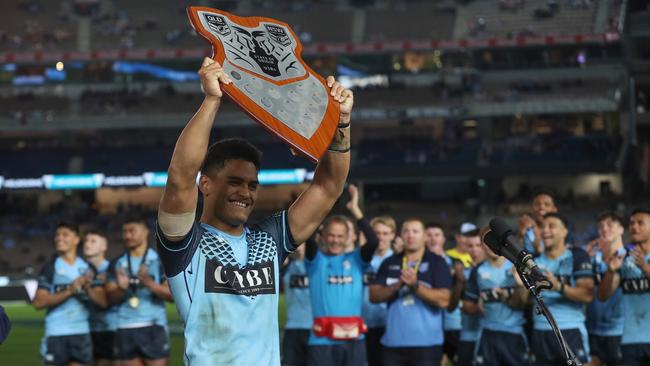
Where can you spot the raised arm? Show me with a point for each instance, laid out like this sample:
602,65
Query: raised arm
181,192
372,242
612,279
310,209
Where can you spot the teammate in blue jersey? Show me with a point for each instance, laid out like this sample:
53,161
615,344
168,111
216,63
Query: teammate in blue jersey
224,274
495,291
102,319
570,271
138,289
470,323
416,284
631,273
605,318
460,263
299,317
337,337
65,289
530,223
375,314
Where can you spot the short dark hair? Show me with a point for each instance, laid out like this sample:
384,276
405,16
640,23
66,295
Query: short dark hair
135,218
230,149
434,225
611,215
94,230
640,211
68,224
543,192
559,217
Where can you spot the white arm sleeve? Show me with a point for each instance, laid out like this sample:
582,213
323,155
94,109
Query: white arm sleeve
175,225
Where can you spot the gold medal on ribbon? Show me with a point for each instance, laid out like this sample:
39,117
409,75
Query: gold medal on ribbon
134,302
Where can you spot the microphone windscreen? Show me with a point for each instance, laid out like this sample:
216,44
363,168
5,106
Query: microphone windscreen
500,227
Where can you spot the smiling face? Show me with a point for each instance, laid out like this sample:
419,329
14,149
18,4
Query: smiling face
609,230
640,228
230,192
335,235
554,232
542,204
65,240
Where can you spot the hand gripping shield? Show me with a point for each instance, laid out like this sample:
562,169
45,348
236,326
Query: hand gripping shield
271,82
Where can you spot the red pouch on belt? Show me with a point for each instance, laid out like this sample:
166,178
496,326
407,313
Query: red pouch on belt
339,328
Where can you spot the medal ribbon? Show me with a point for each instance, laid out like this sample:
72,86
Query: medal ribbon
132,277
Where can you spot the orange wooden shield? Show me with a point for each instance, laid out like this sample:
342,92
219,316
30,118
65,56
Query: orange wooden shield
271,82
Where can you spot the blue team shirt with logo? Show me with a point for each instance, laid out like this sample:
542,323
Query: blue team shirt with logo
605,318
452,318
636,302
296,296
373,314
335,287
151,308
229,306
102,320
70,316
411,322
483,282
569,267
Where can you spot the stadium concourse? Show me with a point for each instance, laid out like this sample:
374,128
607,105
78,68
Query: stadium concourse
464,110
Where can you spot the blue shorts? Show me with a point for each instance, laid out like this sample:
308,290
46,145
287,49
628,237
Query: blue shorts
546,351
61,350
150,343
606,348
498,348
636,354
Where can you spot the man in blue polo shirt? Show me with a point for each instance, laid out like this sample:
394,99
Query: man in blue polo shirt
471,323
299,318
65,290
416,284
336,290
102,319
632,274
605,318
570,271
138,289
495,292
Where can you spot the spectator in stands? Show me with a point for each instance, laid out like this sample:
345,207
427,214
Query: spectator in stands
416,286
65,289
571,274
605,318
337,336
632,274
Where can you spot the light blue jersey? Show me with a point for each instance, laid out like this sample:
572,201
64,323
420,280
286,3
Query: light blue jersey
229,308
529,239
71,316
151,308
470,323
569,267
102,320
296,296
483,282
605,318
636,302
336,288
451,319
373,314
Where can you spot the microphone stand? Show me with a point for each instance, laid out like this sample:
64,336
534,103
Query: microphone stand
570,358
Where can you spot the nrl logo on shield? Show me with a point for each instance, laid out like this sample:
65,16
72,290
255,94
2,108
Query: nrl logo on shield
278,34
218,24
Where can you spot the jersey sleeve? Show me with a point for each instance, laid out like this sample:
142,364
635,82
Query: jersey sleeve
582,265
382,273
277,225
175,256
471,292
440,273
46,277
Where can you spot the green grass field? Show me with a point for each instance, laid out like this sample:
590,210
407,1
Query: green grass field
23,345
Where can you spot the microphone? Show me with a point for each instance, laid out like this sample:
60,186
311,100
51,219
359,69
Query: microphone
502,241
